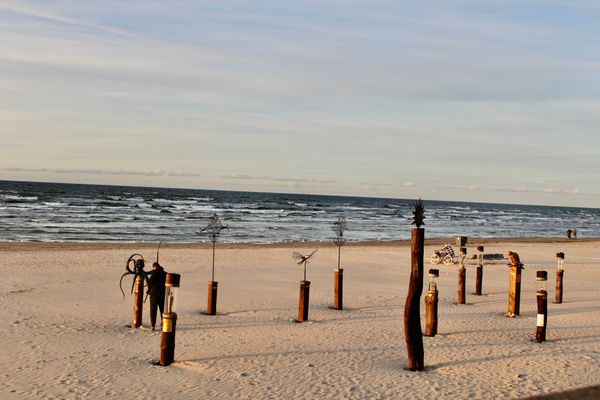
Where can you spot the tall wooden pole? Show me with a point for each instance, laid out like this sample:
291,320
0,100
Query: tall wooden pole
211,308
169,321
462,277
479,279
431,304
514,290
303,302
338,289
413,335
542,307
560,257
338,275
138,301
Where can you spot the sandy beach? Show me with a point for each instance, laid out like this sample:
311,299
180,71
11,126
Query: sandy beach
64,333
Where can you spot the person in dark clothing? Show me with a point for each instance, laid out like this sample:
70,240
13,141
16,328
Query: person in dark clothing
156,290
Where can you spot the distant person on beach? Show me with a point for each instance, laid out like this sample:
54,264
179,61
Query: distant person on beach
575,233
156,290
569,233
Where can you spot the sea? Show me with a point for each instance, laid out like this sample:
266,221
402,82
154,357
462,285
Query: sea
60,212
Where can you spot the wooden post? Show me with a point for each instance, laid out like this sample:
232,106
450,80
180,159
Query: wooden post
413,335
479,279
303,302
559,286
462,277
542,307
138,301
169,320
167,339
559,277
431,305
212,298
338,289
514,290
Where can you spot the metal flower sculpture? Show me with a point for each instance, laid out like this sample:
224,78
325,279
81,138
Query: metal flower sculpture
213,230
138,270
158,250
339,227
303,259
419,214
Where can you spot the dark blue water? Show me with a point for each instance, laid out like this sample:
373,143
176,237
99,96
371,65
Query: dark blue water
87,213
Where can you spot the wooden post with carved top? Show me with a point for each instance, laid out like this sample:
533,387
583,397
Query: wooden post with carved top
514,290
413,335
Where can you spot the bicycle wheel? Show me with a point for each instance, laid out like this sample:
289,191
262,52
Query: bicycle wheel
434,259
448,260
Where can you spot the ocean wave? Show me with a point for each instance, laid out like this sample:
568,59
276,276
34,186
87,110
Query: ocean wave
56,212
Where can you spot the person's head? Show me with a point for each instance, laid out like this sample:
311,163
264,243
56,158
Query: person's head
155,265
446,244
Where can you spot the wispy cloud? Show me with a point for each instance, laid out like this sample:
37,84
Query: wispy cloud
574,191
91,171
42,13
516,189
247,177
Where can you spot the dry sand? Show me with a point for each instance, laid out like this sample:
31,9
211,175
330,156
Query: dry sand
64,336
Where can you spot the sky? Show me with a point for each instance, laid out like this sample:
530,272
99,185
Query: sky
484,101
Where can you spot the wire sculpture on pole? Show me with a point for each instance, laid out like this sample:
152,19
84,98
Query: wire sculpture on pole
213,230
339,227
303,259
158,250
138,262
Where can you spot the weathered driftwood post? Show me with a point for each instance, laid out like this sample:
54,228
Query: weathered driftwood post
338,274
560,258
542,307
169,320
479,279
462,277
303,302
514,290
213,230
413,335
137,286
431,304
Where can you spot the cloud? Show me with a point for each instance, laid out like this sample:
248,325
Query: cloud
19,8
91,171
575,191
289,181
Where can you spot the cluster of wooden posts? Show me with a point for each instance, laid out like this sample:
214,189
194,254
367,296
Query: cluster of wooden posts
412,323
169,317
213,229
514,296
412,320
